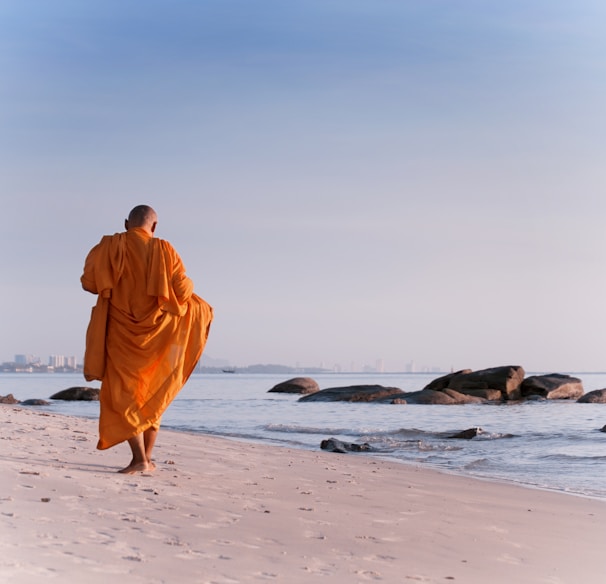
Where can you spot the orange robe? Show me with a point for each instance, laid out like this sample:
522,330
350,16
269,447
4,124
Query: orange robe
154,335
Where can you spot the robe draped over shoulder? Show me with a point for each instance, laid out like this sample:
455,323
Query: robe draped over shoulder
155,331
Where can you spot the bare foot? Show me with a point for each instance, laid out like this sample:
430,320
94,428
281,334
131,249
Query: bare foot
151,465
133,467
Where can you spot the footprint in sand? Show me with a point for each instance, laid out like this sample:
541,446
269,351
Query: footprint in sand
368,575
223,521
266,575
509,559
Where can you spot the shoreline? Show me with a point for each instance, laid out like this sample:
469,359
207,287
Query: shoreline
221,510
420,466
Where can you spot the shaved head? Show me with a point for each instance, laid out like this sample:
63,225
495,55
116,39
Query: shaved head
142,216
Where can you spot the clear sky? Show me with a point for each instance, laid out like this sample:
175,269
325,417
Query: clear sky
345,180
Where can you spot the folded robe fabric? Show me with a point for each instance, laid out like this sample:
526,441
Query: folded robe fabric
152,337
94,354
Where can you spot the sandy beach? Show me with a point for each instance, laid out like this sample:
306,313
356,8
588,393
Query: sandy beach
223,511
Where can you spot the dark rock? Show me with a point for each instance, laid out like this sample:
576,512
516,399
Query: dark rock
506,379
77,394
334,445
442,382
603,429
445,397
355,393
552,386
35,402
597,396
534,397
467,434
484,394
302,385
8,399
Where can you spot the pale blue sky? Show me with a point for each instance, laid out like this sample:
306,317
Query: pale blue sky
345,180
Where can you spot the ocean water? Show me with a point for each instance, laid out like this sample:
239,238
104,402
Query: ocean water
554,445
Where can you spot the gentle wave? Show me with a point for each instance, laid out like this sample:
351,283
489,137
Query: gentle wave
292,429
574,457
402,434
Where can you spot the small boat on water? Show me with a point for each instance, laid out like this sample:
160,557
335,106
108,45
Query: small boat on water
229,370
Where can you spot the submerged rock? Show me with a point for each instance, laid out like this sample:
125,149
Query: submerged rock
77,394
302,385
444,397
598,396
35,402
355,393
467,434
334,445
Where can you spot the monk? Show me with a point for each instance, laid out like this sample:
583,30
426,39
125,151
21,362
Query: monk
146,334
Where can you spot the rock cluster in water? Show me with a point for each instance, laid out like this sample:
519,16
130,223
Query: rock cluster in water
69,394
497,384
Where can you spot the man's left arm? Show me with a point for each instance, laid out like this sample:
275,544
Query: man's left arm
88,276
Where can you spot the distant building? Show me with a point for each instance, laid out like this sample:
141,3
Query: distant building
56,361
62,362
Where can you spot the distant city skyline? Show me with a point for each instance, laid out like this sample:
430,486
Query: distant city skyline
72,362
210,362
54,360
